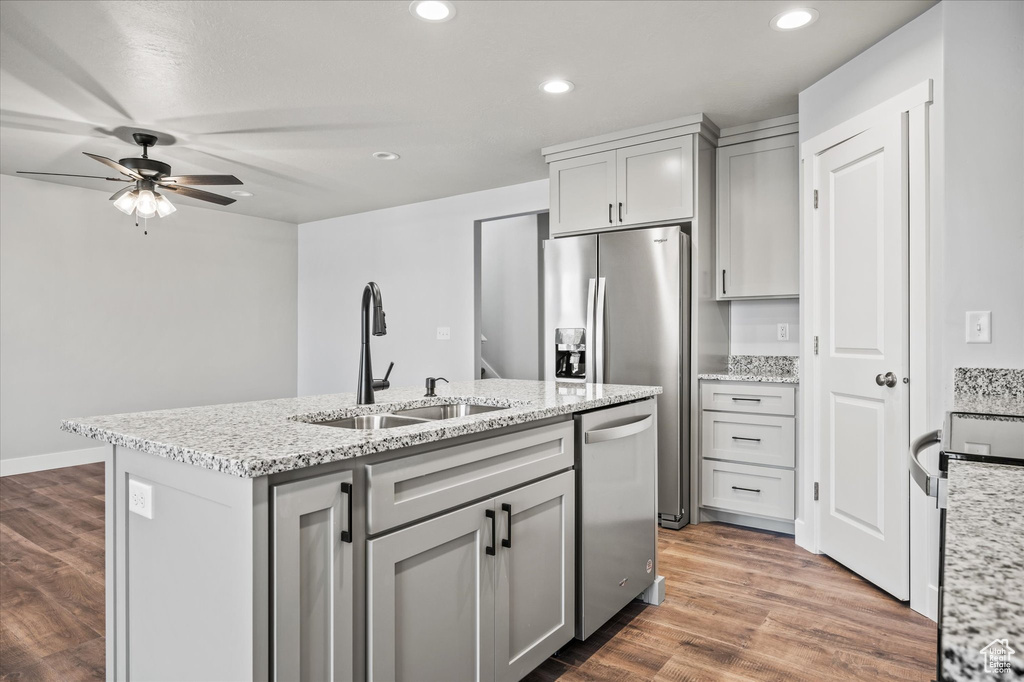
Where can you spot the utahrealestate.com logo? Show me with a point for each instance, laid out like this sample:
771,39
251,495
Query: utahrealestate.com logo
997,656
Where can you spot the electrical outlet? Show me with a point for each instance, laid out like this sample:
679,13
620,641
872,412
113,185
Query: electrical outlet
444,333
783,332
140,498
979,326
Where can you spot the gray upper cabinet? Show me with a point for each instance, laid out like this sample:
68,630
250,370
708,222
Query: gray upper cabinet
758,221
313,579
629,185
583,193
655,181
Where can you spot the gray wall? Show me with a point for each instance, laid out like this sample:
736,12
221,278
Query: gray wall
96,318
422,257
510,296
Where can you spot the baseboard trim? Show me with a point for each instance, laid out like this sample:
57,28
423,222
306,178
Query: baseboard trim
52,460
761,523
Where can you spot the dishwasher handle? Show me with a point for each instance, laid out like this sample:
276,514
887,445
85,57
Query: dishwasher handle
932,484
616,432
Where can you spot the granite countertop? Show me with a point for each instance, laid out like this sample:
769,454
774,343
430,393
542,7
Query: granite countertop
983,581
778,369
269,436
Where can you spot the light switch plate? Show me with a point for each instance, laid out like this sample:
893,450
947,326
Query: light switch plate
444,333
979,326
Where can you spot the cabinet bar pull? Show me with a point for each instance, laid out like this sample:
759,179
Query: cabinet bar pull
489,513
507,508
749,400
346,489
723,282
610,221
753,440
749,490
620,211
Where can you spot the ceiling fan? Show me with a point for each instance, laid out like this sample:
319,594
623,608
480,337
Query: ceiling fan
146,175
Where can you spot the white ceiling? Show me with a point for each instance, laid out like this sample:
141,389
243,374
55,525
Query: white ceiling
293,97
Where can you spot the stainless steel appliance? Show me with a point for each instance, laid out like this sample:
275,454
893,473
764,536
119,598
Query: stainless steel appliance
629,293
973,438
616,535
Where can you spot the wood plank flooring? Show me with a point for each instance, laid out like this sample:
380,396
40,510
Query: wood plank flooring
741,604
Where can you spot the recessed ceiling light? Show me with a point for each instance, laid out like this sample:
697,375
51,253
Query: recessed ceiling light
793,19
386,156
434,11
241,193
557,86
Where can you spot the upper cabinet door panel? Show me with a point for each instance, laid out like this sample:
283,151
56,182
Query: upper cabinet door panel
758,222
655,181
583,193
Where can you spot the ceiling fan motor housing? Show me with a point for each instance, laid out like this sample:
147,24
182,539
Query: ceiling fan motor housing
147,167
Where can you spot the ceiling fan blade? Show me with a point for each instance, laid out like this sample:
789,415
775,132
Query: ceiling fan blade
198,194
119,193
203,180
115,165
74,175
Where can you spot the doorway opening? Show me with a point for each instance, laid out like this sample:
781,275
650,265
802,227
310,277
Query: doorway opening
508,295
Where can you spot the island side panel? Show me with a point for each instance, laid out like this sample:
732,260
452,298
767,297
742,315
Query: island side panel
191,584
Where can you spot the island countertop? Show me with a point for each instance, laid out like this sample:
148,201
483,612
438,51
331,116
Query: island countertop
269,436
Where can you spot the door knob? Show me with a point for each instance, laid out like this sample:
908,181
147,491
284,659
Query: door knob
887,379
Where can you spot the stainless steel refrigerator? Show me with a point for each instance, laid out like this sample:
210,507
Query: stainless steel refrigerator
616,311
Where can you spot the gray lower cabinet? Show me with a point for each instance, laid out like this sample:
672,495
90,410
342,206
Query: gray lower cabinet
482,593
313,579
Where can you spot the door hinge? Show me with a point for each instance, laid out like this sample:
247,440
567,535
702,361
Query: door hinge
815,345
815,198
815,491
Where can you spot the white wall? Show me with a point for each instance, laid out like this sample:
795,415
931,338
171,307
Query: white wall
421,255
510,296
983,254
754,327
96,318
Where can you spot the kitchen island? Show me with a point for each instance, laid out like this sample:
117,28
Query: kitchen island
266,540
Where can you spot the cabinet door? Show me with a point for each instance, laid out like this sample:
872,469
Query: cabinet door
430,599
758,222
535,586
313,579
655,181
583,193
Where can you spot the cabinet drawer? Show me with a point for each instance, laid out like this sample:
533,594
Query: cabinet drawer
406,489
756,398
750,438
747,489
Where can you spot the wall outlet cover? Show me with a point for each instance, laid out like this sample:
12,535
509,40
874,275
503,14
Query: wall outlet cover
140,498
783,332
979,326
444,333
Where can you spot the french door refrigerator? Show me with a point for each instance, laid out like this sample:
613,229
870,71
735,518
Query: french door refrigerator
616,311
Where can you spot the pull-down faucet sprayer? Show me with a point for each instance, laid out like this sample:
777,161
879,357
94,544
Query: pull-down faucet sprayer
367,384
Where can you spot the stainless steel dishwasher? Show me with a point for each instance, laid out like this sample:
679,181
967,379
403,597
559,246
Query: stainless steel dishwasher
617,510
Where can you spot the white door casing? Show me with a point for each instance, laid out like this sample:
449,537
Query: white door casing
861,243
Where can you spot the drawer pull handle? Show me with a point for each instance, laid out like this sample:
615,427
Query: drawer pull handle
748,400
346,490
624,431
507,508
749,490
753,440
489,513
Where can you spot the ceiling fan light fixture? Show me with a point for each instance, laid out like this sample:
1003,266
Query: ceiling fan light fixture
126,202
146,206
164,207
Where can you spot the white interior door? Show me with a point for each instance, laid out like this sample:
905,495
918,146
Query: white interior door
861,232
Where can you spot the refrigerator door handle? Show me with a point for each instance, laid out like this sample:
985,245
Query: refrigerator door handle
591,340
598,342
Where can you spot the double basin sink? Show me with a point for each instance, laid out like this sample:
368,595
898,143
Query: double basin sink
409,417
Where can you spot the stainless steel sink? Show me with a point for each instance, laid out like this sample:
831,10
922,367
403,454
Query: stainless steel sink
370,422
434,412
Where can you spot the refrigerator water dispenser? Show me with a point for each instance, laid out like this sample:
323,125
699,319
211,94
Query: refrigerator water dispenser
570,354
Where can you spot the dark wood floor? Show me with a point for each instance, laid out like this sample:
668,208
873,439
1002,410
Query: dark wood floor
741,604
